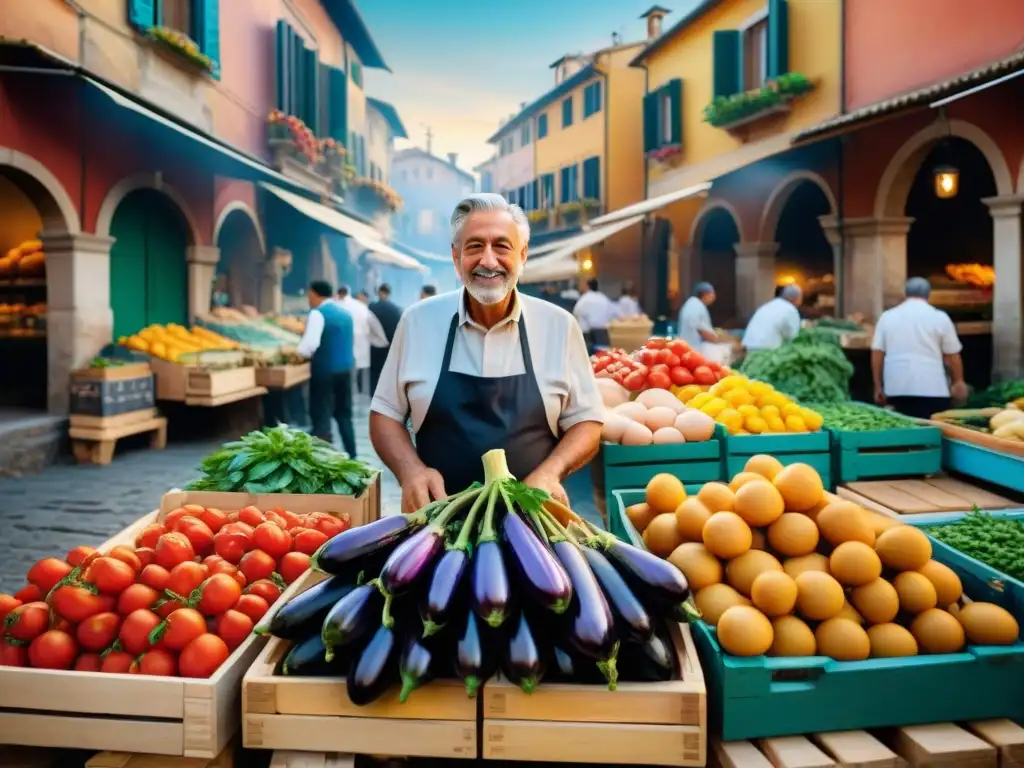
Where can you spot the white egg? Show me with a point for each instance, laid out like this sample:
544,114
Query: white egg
633,411
637,434
614,426
695,426
667,436
655,398
612,393
659,417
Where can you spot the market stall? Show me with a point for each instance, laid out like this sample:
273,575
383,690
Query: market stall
23,301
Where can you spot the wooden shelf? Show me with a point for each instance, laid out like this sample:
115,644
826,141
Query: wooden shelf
23,335
24,282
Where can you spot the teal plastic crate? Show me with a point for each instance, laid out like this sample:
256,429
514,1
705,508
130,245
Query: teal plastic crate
994,467
764,697
813,448
912,451
627,497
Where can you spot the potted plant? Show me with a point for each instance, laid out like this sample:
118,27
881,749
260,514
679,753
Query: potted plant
288,136
332,158
183,45
570,213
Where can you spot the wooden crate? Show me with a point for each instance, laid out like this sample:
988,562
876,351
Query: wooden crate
200,382
93,439
898,498
215,401
283,376
638,724
226,759
315,713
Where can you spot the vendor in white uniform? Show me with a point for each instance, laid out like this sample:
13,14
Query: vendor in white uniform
914,345
695,326
776,322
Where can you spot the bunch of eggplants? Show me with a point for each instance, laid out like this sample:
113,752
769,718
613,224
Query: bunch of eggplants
485,580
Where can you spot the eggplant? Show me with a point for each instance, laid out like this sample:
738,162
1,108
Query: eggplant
374,668
475,660
565,667
631,617
308,658
304,614
543,577
575,668
336,555
415,667
446,586
523,662
592,626
410,561
351,618
649,662
491,592
655,581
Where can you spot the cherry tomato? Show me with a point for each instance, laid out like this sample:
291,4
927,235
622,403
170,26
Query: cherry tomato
13,654
77,555
215,519
174,516
230,546
30,593
47,572
266,589
155,576
331,526
53,650
680,376
110,575
219,593
126,555
293,565
257,565
97,633
135,597
116,662
135,630
185,577
156,662
173,548
251,516
272,539
252,606
150,535
635,381
7,604
309,541
77,603
203,656
234,627
180,628
146,555
198,534
703,375
88,662
658,380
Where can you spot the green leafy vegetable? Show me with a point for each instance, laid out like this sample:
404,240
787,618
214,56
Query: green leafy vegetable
811,368
997,395
995,541
859,417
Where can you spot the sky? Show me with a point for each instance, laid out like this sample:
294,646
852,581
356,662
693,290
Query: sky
461,65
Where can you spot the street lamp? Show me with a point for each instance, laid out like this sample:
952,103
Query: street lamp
947,181
587,265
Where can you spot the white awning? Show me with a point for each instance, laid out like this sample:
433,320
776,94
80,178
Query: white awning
383,253
563,268
561,259
648,206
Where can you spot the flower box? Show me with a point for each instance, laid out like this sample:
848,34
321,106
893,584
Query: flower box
731,112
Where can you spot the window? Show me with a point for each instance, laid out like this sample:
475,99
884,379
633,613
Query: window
199,19
542,127
755,55
547,191
524,134
567,112
569,182
592,178
357,72
425,222
591,99
663,116
177,14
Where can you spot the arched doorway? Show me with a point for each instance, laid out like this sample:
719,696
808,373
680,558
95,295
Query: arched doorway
242,264
148,269
715,235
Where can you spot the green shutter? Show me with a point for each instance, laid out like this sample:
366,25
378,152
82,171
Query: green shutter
142,14
778,38
728,72
207,26
650,122
282,68
298,77
675,93
337,104
311,75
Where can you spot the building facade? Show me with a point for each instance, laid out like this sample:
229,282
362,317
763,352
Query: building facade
430,187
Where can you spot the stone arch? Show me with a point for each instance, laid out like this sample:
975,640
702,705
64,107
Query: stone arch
58,211
894,186
238,205
780,196
129,184
699,220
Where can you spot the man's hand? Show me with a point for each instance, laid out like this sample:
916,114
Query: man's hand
959,392
420,488
549,482
880,396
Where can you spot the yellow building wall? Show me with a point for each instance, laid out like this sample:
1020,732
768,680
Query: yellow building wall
565,146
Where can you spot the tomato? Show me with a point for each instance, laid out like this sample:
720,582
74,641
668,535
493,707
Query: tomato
309,541
116,662
156,662
219,593
180,628
331,526
166,607
266,589
135,630
150,535
7,604
703,375
239,527
659,380
47,572
680,376
678,347
215,519
635,381
30,593
185,577
230,546
173,548
290,518
174,516
155,576
689,360
669,359
126,555
77,603
77,555
272,539
276,519
13,654
110,575
135,597
251,516
257,565
53,650
203,656
198,534
252,606
656,342
146,555
97,633
234,627
233,516
293,565
88,662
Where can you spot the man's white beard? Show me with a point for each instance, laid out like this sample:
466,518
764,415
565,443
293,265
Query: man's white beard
487,296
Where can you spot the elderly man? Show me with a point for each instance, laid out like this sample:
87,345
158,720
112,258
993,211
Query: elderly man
914,344
694,318
776,322
485,367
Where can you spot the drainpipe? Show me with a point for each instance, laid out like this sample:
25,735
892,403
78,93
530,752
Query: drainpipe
840,282
646,228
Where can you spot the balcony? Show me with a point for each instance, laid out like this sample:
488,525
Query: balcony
372,198
298,154
565,215
737,113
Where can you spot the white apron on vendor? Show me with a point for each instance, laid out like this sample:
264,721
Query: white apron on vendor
518,386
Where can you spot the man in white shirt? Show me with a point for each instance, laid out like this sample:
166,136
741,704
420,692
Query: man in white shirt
776,322
628,305
914,344
593,311
361,330
695,326
485,367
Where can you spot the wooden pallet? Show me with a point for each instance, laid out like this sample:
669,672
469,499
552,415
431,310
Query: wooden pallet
896,498
81,421
95,445
985,744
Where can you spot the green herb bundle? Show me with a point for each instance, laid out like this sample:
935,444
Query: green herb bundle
283,460
997,395
858,417
811,368
995,541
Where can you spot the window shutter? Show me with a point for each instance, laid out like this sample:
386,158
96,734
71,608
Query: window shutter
311,73
142,14
208,30
536,200
281,66
597,96
337,104
675,92
650,122
728,72
778,37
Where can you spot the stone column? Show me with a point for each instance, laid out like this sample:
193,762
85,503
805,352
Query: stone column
79,320
755,276
1007,320
202,268
274,270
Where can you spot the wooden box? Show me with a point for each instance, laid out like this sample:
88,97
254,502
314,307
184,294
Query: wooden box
283,376
315,714
209,383
637,724
934,496
112,391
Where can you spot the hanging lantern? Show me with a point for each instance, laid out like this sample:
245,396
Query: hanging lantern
947,181
587,265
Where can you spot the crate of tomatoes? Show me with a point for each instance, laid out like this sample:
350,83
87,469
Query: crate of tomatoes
659,364
140,644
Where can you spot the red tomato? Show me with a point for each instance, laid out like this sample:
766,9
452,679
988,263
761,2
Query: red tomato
110,575
680,376
150,535
257,565
215,519
331,526
156,662
659,380
266,589
234,627
185,577
53,650
647,356
116,662
88,662
13,654
656,342
197,532
28,621
239,527
47,572
30,593
165,608
173,548
97,633
203,656
679,347
252,606
689,360
174,516
77,603
703,375
126,555
635,381
276,519
230,546
155,576
309,541
251,516
293,565
180,628
194,509
668,358
146,555
135,631
135,597
272,539
77,555
290,518
219,593
233,516
7,604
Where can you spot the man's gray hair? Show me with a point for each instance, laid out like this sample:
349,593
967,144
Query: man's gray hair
703,289
918,288
791,292
488,201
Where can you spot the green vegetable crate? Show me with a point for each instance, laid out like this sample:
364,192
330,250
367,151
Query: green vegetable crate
764,697
911,451
813,448
1002,469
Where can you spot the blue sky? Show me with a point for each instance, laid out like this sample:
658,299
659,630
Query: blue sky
460,65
